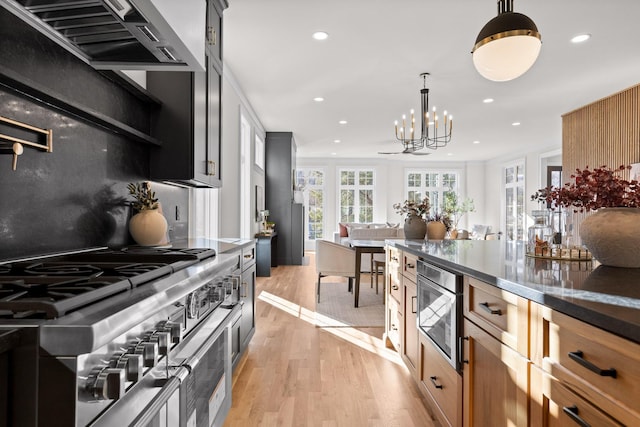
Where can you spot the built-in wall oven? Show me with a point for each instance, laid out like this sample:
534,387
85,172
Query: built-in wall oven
440,310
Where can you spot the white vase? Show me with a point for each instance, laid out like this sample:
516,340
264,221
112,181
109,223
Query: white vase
148,228
613,236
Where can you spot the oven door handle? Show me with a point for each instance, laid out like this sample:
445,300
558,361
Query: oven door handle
166,392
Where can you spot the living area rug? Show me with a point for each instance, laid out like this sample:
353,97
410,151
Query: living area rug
336,309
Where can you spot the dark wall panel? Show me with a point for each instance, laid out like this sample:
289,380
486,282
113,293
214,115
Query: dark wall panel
76,196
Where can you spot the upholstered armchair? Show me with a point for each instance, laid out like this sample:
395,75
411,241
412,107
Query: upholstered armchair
334,259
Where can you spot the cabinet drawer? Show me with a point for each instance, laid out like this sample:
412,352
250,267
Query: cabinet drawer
600,366
409,266
500,313
393,319
562,407
393,273
441,382
248,256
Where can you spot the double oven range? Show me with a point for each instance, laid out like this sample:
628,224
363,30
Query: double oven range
137,336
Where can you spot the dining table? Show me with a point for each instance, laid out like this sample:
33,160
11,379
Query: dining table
363,247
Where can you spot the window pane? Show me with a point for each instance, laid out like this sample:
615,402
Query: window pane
366,178
449,180
414,180
431,180
347,178
415,196
520,172
509,175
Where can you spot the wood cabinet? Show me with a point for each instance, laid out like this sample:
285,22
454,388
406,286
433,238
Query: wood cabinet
496,364
393,297
441,384
189,120
409,331
590,371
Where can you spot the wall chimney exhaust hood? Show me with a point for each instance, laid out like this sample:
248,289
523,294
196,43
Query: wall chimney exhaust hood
122,34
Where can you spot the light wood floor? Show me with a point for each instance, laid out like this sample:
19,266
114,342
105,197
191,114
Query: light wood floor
297,374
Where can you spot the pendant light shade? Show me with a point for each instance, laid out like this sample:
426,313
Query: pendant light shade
507,46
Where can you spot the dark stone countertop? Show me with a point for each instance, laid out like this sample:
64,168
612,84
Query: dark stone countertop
221,245
606,297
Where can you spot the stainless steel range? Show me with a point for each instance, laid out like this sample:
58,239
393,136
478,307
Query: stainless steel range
136,336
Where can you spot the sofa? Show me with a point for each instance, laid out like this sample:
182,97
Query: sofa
367,231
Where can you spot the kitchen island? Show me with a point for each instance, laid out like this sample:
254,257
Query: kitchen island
606,297
539,341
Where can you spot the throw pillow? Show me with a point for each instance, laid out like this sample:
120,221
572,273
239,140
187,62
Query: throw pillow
343,230
354,225
391,225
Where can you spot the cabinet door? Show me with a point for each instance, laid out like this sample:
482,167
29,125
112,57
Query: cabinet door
247,297
410,330
213,123
495,381
214,30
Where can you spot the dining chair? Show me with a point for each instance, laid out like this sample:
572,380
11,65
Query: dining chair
334,259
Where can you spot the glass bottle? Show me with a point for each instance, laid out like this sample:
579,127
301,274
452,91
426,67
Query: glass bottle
540,234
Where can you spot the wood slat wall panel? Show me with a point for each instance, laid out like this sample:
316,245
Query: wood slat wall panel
606,132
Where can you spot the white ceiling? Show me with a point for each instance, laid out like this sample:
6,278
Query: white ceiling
368,70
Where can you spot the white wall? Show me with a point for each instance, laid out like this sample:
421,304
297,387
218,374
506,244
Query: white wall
235,103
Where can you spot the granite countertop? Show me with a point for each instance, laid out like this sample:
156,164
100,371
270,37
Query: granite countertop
606,297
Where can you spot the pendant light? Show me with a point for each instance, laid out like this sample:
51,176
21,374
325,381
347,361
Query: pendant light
507,46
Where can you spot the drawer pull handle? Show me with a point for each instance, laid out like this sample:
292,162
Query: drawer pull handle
572,412
411,266
485,306
413,304
435,384
577,356
395,287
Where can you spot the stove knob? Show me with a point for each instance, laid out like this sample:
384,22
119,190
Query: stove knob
174,329
193,302
163,339
149,353
134,366
106,383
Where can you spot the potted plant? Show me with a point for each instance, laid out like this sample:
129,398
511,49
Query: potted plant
438,225
415,226
612,234
456,209
148,226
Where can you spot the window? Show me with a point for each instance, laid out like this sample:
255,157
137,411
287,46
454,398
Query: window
435,184
356,195
513,179
311,181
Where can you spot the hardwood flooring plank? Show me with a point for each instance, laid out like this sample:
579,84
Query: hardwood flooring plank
298,374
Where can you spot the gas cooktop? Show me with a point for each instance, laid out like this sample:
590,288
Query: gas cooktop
50,287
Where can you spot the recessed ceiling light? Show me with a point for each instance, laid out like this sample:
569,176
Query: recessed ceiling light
515,124
449,154
476,142
581,38
333,154
318,99
320,35
487,100
343,122
336,141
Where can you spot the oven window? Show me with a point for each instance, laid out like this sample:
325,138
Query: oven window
435,314
209,390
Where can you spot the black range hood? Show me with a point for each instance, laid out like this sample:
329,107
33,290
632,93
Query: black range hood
122,34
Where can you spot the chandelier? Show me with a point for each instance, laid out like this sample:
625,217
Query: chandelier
434,132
